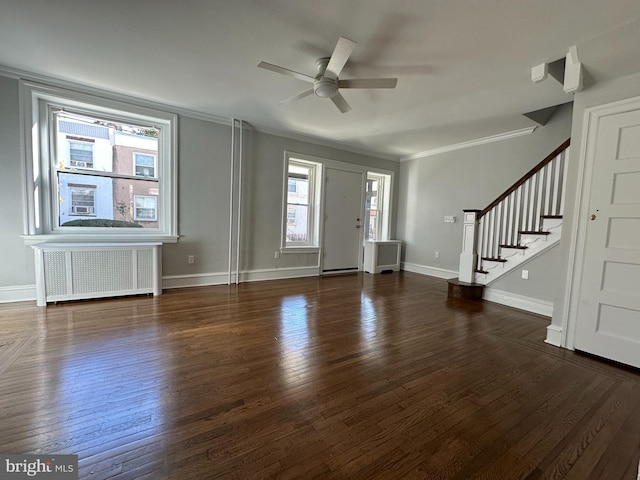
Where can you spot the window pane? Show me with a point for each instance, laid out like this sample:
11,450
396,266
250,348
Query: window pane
145,165
298,230
98,201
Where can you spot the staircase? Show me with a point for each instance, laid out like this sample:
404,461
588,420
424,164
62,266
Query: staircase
520,224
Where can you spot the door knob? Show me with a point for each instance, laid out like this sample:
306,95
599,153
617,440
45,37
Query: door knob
592,216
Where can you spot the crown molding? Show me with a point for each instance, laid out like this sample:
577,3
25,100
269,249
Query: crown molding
471,143
320,141
56,82
99,92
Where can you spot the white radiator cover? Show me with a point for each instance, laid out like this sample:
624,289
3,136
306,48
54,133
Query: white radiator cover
382,255
73,271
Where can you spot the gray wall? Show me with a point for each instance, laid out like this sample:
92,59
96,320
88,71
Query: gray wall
16,259
203,196
597,94
445,184
544,277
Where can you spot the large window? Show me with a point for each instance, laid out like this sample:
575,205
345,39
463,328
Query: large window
98,169
302,194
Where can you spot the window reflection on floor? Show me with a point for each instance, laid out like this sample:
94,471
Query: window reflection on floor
294,338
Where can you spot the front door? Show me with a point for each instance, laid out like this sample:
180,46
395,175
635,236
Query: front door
342,245
608,313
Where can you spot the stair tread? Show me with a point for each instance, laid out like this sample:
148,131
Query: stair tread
519,247
481,271
533,232
550,216
491,259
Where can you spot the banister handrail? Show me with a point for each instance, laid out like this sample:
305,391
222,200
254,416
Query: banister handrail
526,176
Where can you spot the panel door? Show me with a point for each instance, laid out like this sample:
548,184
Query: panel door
608,317
342,245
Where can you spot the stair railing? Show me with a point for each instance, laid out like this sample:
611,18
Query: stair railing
519,210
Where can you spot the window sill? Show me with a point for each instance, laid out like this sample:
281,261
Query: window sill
98,238
300,249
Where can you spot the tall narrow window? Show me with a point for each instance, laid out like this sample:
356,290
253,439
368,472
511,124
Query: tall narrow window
298,205
377,206
300,222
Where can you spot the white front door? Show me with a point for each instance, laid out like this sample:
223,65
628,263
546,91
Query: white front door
608,313
342,243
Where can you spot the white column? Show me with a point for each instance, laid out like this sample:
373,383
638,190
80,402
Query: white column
469,255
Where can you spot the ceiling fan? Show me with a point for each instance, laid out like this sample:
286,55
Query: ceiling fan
326,83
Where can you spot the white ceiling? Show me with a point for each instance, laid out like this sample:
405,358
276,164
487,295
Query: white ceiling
463,66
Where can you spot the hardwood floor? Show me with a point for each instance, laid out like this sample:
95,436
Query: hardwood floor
359,376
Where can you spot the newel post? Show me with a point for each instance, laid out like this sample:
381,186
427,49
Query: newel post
469,255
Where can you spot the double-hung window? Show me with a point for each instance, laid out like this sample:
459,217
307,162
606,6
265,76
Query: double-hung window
301,207
98,169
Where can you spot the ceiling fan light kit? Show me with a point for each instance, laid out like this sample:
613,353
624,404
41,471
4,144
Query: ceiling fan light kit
326,83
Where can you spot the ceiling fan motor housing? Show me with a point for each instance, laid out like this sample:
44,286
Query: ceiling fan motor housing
324,87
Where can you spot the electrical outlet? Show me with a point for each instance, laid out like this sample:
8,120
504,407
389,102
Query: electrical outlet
276,254
525,274
437,255
449,219
191,259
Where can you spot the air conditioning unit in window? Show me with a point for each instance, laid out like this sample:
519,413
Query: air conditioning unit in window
381,256
82,210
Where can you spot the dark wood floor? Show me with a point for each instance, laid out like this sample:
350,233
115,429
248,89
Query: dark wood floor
358,376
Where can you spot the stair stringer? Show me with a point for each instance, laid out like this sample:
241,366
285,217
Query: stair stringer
536,246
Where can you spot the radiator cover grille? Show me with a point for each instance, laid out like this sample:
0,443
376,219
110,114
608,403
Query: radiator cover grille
80,271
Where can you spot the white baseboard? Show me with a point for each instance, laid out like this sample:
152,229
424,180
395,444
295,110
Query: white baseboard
279,273
431,271
221,278
521,302
554,335
21,293
194,280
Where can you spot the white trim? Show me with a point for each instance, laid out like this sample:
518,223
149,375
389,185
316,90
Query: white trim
220,278
533,305
430,271
470,143
20,293
66,84
586,159
301,137
554,336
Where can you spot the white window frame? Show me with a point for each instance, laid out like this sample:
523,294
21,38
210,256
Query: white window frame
315,193
135,209
155,164
39,102
71,141
384,206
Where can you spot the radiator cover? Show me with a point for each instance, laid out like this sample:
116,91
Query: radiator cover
381,256
72,271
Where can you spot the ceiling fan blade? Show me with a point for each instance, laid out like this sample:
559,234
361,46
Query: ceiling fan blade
339,57
368,83
341,103
297,97
286,71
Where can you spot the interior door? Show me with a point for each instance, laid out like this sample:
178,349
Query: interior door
342,220
608,315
